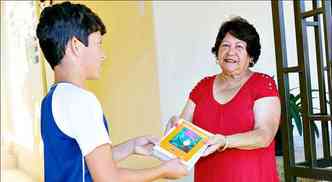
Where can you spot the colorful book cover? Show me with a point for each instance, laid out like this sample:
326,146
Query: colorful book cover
185,141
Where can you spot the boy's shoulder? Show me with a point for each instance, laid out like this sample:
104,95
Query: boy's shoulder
73,94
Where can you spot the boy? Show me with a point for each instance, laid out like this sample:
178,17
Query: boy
74,130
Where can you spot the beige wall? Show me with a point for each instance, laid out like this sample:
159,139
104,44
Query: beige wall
128,88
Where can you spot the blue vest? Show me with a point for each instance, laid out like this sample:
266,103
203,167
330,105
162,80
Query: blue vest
63,159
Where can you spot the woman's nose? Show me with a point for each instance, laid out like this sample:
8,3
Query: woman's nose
231,50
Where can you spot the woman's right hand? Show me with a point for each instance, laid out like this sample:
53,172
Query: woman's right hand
171,122
174,169
215,143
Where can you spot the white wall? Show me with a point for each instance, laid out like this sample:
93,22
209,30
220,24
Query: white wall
185,33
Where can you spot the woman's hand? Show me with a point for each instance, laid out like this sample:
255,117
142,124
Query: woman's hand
171,122
144,145
215,142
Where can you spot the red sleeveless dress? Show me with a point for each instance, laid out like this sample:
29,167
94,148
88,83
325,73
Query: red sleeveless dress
235,116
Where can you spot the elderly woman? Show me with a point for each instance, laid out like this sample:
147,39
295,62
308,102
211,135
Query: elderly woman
240,107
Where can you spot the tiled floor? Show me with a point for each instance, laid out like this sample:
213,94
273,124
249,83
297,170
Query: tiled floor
281,173
299,156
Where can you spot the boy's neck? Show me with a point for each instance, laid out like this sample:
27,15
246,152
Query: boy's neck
73,77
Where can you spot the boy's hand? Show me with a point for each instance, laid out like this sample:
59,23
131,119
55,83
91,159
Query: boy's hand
143,145
174,169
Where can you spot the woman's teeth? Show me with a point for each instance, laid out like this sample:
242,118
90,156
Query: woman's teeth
230,61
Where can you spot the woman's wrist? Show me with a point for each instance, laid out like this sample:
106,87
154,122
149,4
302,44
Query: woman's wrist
225,144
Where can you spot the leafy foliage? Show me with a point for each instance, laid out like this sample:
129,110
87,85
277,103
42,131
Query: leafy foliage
296,111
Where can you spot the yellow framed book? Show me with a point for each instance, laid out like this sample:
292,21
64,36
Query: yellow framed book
185,141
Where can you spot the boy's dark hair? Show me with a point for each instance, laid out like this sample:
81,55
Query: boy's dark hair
60,23
241,29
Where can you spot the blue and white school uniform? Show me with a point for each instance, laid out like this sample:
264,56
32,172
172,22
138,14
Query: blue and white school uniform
72,126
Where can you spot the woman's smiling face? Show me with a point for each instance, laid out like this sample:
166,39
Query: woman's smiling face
233,57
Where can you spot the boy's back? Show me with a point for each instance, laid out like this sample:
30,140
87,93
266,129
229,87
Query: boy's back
64,107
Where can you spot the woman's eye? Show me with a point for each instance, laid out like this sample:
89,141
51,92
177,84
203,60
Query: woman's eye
239,47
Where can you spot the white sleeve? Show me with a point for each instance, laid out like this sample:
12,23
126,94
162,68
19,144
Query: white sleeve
78,114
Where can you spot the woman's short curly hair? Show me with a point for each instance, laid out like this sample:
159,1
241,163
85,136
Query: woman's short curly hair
242,30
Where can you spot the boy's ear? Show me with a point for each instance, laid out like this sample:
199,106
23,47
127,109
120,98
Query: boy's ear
76,46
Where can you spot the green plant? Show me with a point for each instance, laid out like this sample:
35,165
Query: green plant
295,111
